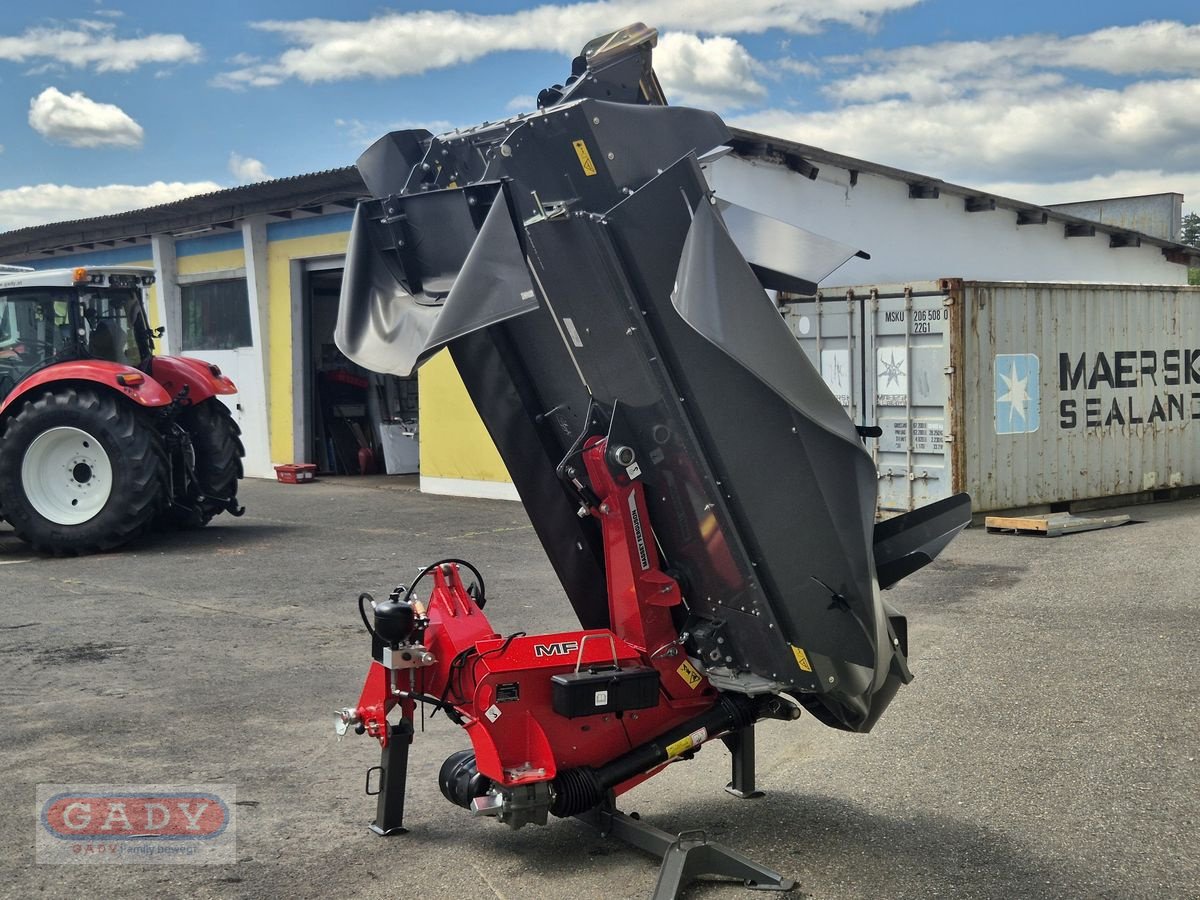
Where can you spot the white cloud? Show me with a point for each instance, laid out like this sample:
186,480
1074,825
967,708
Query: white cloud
1066,134
333,50
39,204
79,121
1028,62
362,134
521,103
1013,115
247,169
1125,183
794,67
715,72
92,44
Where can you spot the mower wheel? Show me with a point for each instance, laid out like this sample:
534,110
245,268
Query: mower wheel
218,447
81,471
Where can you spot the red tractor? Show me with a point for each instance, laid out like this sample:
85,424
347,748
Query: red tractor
99,438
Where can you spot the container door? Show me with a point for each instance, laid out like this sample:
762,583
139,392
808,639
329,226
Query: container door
911,382
885,354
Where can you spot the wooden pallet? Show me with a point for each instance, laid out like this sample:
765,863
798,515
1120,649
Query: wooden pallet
1051,525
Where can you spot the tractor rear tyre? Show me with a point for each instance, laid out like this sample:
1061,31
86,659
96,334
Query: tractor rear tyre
81,471
218,447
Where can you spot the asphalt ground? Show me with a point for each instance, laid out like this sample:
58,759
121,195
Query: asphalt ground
1047,748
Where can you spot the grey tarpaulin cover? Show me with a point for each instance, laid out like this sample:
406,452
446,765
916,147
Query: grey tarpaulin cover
785,257
386,329
711,292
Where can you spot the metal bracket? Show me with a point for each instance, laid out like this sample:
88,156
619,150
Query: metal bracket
685,856
393,779
741,749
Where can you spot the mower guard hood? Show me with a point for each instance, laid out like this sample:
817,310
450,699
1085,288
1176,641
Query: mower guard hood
587,282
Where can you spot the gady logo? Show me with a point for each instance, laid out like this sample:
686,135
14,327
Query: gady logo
180,816
135,823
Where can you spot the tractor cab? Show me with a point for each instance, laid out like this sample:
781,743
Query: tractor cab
99,316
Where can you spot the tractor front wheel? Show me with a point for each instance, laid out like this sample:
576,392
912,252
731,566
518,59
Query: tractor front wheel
81,471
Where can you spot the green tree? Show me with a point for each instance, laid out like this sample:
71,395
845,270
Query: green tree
1190,233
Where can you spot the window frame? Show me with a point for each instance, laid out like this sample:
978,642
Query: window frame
184,282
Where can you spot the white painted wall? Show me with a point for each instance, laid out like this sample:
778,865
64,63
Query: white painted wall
920,240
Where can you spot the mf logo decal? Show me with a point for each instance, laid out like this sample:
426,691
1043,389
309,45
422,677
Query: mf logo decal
1018,393
558,648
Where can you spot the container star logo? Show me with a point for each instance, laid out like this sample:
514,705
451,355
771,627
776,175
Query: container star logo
1017,390
1016,393
893,370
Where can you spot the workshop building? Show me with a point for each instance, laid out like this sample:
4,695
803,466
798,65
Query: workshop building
249,278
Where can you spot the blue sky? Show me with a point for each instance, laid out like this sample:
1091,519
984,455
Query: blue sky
116,105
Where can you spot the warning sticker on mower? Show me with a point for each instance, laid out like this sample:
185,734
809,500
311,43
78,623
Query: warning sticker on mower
801,659
585,158
492,712
684,744
636,518
689,674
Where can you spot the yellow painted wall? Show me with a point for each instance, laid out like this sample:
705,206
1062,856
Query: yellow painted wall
454,443
281,405
202,263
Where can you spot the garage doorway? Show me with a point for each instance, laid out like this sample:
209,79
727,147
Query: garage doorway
356,422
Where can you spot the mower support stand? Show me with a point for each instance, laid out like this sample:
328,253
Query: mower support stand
685,856
741,747
393,778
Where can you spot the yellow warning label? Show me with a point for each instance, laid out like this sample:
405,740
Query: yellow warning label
684,744
689,674
585,158
680,746
801,659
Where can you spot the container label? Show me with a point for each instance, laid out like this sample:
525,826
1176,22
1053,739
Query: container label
928,435
1018,393
835,370
928,321
891,372
1132,387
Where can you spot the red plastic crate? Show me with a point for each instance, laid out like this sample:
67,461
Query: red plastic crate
296,473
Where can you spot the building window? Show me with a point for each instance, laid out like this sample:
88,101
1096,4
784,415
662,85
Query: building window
216,315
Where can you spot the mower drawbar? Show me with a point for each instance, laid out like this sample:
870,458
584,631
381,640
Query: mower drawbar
575,791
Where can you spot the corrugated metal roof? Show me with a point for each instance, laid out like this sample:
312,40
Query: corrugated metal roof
345,184
803,158
279,195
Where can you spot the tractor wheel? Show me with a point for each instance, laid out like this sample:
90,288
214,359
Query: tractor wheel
219,452
81,471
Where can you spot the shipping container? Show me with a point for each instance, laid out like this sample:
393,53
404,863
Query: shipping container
1025,395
